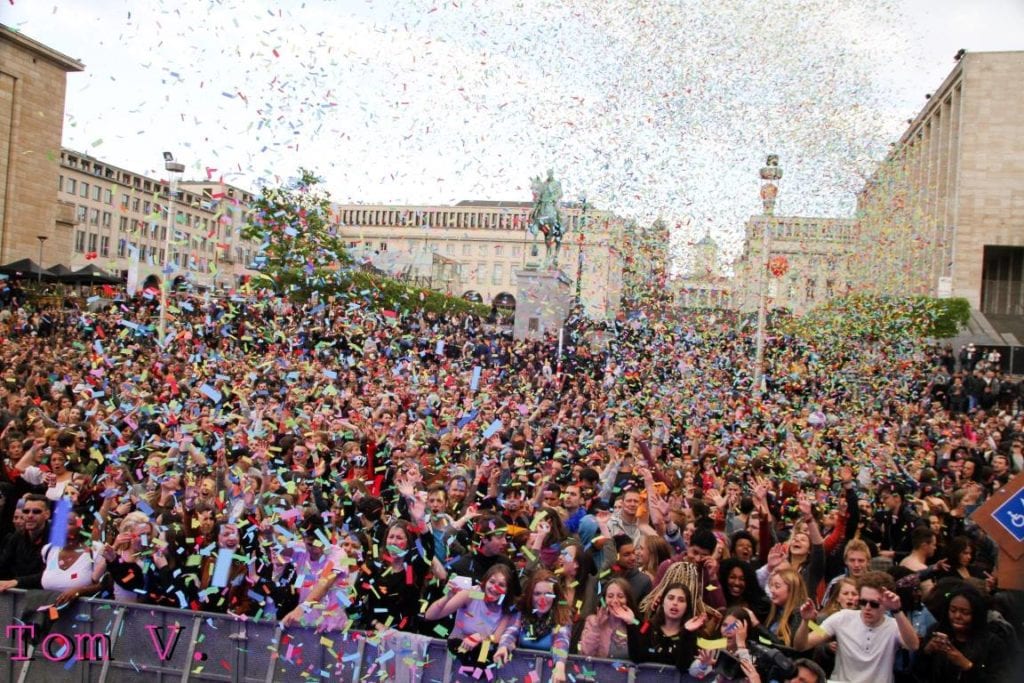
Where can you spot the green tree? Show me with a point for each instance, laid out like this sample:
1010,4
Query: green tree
951,316
301,248
878,318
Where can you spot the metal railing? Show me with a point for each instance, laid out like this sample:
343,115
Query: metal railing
97,641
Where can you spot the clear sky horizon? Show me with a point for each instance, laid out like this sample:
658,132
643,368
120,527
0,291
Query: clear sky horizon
651,107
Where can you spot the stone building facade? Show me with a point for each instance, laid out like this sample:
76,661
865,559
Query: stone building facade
33,79
120,215
815,252
944,213
484,243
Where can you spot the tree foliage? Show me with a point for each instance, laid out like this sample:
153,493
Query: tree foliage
885,319
952,315
301,249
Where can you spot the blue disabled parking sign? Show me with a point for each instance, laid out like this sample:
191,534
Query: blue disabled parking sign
1010,515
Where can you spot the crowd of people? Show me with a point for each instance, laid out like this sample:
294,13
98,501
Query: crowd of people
361,471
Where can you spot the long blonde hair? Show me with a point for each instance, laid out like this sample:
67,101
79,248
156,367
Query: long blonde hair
832,606
797,596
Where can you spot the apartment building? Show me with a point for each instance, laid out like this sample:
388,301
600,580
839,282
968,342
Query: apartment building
481,245
122,216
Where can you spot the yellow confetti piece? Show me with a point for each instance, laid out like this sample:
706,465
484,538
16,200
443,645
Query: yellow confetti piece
716,644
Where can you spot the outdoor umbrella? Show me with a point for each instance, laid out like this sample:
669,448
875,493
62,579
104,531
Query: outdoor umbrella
59,270
90,275
27,269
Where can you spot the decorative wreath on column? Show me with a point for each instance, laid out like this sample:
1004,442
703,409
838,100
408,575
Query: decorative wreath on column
778,265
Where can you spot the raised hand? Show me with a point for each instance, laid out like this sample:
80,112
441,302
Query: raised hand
776,556
741,633
804,505
750,671
807,610
623,613
405,486
890,600
659,506
695,623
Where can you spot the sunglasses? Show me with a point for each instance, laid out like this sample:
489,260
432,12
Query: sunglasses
873,604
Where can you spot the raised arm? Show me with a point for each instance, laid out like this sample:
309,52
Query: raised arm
447,605
805,639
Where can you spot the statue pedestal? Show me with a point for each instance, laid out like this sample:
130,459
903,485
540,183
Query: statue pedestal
542,302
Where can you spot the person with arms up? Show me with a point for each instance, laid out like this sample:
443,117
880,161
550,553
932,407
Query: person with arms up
868,639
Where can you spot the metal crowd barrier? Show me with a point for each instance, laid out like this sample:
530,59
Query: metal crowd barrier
216,647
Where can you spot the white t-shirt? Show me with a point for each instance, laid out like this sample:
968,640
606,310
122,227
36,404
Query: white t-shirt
866,654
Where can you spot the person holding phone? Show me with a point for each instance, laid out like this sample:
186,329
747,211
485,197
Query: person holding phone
960,647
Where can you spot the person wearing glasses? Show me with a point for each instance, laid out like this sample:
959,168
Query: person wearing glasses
868,638
21,558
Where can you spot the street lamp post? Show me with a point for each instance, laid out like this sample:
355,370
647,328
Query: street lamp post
173,168
770,172
42,240
580,239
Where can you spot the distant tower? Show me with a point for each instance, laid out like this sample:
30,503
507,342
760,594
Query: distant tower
770,173
704,264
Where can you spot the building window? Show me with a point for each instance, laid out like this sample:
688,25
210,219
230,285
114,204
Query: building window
499,274
97,192
162,257
92,241
499,250
534,250
830,287
104,246
94,216
482,249
810,289
72,185
82,213
145,206
481,268
517,250
108,197
122,247
467,249
60,183
106,218
80,241
449,249
123,224
383,246
83,191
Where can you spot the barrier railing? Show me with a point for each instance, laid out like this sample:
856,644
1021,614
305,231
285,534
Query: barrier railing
97,641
